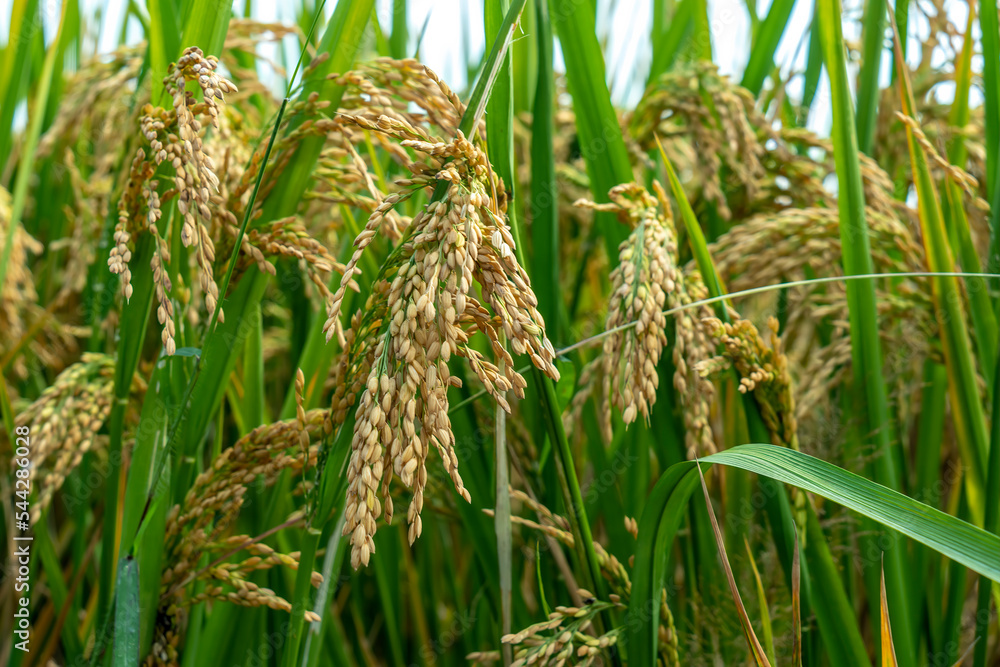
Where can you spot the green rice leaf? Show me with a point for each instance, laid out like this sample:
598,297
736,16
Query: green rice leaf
990,25
814,66
544,215
992,524
866,350
756,650
15,68
399,38
902,18
667,46
206,25
984,322
57,587
164,43
30,148
766,43
873,37
960,541
956,539
500,147
600,136
126,648
696,238
968,413
765,614
149,560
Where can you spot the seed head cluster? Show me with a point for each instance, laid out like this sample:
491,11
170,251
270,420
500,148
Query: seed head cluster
428,310
692,345
66,421
710,137
644,284
566,637
795,244
202,525
955,174
557,527
17,293
762,369
175,137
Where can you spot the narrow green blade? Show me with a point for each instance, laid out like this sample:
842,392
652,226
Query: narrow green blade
956,539
873,37
126,649
601,140
766,43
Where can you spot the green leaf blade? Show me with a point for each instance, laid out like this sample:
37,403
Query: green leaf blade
601,140
127,613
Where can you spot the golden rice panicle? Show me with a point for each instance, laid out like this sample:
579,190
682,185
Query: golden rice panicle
763,370
300,412
222,582
18,289
176,136
129,212
235,575
288,237
367,464
646,282
194,66
66,420
219,490
712,125
348,376
566,637
379,99
333,327
956,174
590,378
557,527
467,235
424,309
161,289
94,104
342,177
693,344
798,243
642,286
385,91
201,524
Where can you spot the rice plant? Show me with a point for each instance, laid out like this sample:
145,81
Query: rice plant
313,357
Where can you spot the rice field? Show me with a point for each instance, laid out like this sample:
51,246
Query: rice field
312,357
